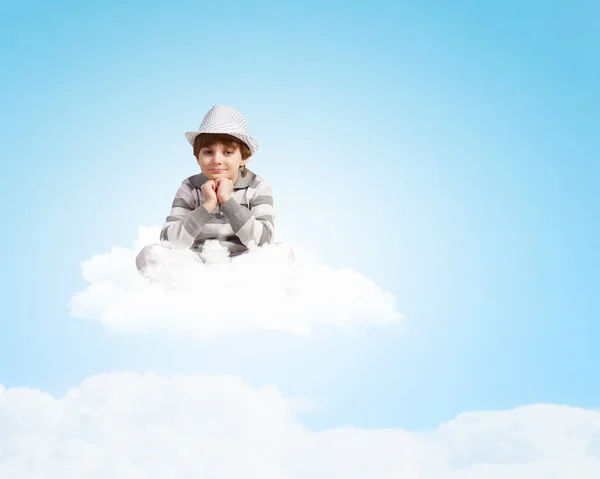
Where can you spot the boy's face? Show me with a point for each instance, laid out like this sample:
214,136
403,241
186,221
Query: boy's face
220,161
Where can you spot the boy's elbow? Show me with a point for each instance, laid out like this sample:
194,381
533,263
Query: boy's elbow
175,242
266,236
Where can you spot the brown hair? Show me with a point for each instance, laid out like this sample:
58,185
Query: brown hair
209,139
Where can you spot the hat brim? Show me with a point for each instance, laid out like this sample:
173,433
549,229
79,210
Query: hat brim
251,142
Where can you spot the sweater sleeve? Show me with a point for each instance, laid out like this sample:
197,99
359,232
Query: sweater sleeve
185,221
254,226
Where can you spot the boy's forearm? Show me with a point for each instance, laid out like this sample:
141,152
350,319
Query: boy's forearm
195,220
248,228
181,233
237,215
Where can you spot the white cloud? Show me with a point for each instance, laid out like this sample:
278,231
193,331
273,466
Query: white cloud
217,427
256,292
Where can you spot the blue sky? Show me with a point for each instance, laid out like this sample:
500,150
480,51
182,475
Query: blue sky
448,152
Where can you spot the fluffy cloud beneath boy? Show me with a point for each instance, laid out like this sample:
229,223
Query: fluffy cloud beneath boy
217,427
259,292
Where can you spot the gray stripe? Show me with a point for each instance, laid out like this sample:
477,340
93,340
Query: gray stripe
233,239
268,218
173,218
262,200
181,203
216,219
255,182
225,241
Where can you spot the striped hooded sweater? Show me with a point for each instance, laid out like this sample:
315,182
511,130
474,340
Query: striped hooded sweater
246,220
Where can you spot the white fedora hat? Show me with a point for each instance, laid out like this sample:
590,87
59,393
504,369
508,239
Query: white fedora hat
225,119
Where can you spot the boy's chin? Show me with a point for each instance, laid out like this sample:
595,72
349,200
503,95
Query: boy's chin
213,175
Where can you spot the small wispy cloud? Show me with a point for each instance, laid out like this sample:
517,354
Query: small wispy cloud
257,292
126,425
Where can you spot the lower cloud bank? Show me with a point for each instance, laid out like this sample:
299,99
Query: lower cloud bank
127,425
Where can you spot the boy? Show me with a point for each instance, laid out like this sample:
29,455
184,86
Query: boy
226,202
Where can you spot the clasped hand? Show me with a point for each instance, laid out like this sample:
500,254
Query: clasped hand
216,192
